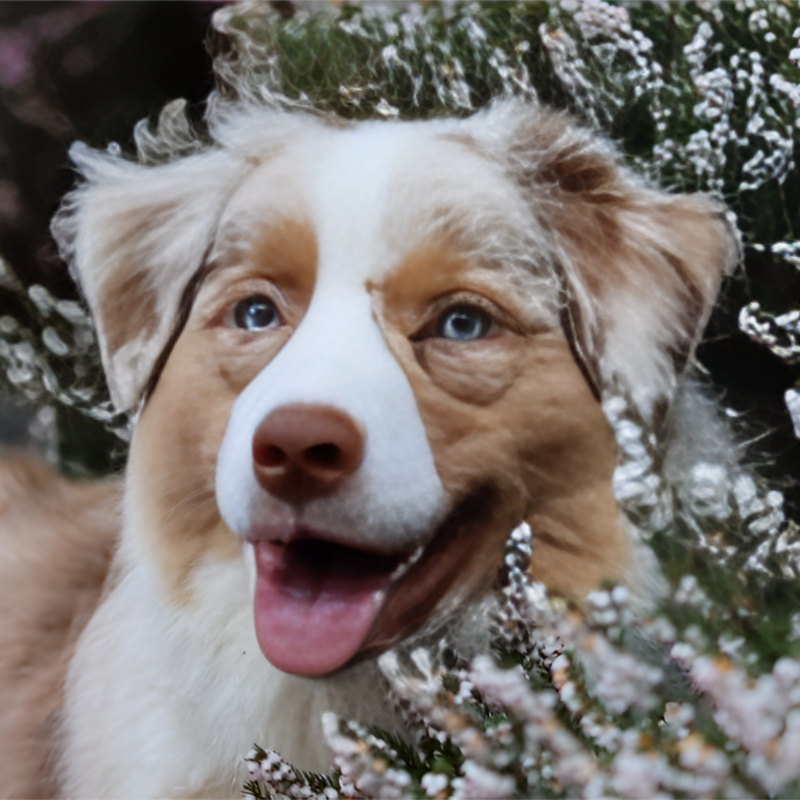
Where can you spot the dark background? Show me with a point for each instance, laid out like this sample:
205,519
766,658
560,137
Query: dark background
91,70
78,71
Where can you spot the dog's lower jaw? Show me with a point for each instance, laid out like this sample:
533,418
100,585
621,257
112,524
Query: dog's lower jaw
165,701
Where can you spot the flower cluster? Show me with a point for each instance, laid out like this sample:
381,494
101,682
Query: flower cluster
761,714
271,777
579,714
781,333
56,365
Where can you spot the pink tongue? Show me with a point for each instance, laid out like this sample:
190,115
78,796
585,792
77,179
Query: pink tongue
315,603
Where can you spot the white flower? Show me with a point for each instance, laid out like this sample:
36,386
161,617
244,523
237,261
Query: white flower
480,783
792,400
623,681
433,783
638,775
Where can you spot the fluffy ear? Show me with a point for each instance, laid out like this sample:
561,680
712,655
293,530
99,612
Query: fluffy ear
134,236
641,267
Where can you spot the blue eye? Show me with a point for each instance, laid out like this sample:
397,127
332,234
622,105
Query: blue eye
463,324
256,313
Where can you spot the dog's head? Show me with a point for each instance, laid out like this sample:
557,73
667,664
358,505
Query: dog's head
365,352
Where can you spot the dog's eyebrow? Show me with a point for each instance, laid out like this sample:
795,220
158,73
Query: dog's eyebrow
498,246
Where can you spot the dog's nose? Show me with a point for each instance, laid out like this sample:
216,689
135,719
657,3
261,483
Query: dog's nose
301,451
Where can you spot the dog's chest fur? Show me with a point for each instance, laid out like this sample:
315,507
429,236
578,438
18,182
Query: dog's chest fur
147,683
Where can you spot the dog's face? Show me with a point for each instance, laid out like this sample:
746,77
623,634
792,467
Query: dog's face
372,383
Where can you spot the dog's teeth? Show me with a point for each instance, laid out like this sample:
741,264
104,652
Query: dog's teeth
404,566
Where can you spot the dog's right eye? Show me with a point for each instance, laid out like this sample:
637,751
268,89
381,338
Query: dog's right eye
464,323
256,313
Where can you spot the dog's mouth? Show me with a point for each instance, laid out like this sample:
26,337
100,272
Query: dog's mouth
321,605
316,602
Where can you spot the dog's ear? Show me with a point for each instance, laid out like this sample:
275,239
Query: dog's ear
641,267
134,236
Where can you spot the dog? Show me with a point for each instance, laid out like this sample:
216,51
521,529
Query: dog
358,355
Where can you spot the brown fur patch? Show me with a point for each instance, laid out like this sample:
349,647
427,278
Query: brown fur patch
287,254
512,412
619,235
127,304
56,539
174,451
127,307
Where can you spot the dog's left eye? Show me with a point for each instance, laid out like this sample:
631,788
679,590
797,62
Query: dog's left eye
464,324
255,313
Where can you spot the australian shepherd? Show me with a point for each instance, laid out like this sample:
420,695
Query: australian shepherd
357,355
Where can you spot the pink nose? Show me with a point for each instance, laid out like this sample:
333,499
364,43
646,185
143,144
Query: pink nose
302,451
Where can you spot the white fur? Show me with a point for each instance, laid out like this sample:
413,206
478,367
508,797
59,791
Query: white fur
165,701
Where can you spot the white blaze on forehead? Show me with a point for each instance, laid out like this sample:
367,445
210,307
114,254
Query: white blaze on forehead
338,357
350,202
